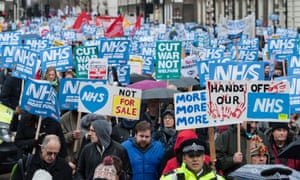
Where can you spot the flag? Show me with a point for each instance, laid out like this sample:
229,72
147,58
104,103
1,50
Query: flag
137,25
81,19
115,29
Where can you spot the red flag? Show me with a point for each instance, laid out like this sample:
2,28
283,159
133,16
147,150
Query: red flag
137,25
115,29
81,19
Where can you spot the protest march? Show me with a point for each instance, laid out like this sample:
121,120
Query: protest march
125,100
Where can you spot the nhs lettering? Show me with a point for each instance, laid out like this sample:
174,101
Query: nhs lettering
37,43
248,54
294,65
116,51
214,53
25,57
236,71
7,55
282,47
59,57
11,38
41,92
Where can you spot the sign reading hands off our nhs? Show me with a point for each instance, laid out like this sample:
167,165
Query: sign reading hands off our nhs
109,100
227,100
40,98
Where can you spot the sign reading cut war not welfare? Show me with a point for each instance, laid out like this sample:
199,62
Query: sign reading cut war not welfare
190,110
109,100
168,60
227,100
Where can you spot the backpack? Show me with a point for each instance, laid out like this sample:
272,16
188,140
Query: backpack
22,164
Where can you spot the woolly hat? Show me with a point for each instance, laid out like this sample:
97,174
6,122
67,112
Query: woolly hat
257,147
106,170
277,125
103,131
168,111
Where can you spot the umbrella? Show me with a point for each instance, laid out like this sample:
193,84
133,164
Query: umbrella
134,77
291,151
158,93
184,82
148,84
251,171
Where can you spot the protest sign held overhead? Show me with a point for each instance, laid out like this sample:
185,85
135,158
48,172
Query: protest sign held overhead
40,98
69,92
190,110
25,63
82,55
109,100
116,51
268,107
227,100
97,68
59,57
168,60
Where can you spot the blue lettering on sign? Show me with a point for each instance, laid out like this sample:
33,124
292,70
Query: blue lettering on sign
93,98
198,119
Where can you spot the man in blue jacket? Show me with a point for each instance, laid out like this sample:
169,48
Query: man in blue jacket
145,155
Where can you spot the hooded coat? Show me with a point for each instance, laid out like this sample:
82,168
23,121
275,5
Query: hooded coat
93,153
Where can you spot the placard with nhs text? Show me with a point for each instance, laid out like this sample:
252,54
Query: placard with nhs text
268,107
109,100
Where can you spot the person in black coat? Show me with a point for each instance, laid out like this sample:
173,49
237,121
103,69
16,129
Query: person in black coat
48,160
26,133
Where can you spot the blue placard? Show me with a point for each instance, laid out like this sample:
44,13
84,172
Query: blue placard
37,44
268,106
59,57
69,92
69,35
11,38
248,55
7,54
293,65
203,72
282,47
116,51
25,63
89,30
40,98
236,71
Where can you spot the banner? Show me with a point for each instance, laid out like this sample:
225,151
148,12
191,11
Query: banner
97,68
10,38
40,98
115,29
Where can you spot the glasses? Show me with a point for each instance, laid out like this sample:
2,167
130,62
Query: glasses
51,153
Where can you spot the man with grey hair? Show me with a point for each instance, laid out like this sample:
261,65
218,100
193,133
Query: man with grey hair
46,160
101,145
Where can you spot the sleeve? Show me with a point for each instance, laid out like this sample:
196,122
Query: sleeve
126,162
81,165
225,160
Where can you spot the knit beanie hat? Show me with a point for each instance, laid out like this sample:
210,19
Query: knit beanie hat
257,146
103,131
106,170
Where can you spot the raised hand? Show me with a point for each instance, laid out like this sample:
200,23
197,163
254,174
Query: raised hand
213,110
238,111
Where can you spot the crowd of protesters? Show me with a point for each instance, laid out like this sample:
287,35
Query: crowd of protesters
150,148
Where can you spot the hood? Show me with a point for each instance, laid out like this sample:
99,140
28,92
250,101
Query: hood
168,111
103,131
182,136
86,120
